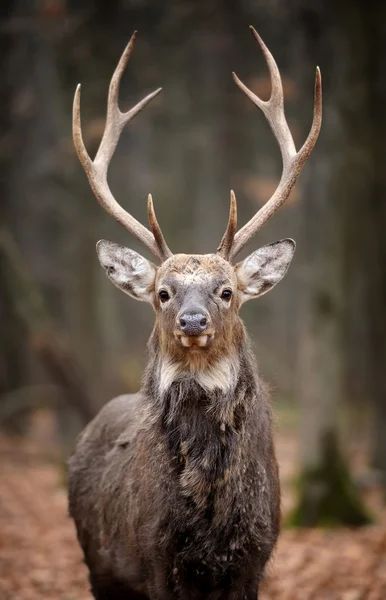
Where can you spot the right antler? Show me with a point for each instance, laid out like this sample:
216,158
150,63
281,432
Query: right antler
293,161
96,170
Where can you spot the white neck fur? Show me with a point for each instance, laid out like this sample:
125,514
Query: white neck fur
221,375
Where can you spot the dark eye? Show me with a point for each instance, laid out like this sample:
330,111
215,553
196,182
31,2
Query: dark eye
226,294
163,296
110,270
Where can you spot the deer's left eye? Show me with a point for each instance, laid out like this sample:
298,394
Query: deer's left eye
226,294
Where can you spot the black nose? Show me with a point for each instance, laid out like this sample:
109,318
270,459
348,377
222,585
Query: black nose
193,324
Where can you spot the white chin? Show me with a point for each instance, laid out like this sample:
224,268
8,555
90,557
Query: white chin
197,340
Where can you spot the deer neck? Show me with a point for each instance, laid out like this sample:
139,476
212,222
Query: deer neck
204,427
215,370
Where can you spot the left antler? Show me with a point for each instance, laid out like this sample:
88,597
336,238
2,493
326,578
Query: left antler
293,161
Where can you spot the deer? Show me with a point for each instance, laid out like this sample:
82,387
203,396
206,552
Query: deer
175,491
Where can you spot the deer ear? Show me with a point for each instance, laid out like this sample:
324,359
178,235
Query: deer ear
263,269
128,270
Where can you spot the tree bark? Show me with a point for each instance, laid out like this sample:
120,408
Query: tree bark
43,336
326,493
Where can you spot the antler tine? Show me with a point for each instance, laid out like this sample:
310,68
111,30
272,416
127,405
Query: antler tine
156,229
225,246
96,170
293,161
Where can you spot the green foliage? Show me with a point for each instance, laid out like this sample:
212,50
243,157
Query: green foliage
327,495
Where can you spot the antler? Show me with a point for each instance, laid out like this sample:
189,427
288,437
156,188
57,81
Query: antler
293,161
96,170
225,246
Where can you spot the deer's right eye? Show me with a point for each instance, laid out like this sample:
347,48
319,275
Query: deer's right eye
163,295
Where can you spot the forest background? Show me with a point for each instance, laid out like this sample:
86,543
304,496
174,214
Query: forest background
69,340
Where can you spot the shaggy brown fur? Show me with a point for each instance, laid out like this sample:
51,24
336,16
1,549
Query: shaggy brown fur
175,491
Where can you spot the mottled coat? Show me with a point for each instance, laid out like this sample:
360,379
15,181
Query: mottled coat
175,491
180,493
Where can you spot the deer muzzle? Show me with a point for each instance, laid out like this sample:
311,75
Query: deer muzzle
193,328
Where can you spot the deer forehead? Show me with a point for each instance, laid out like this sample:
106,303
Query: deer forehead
190,269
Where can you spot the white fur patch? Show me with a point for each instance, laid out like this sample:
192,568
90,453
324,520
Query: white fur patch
169,372
223,375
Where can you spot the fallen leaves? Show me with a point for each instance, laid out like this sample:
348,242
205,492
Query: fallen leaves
40,558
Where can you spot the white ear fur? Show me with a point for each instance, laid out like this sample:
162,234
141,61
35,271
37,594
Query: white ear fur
264,268
128,270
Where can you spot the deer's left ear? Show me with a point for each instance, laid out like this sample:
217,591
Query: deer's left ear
262,270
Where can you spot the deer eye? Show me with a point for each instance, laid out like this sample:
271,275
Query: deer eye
226,295
163,295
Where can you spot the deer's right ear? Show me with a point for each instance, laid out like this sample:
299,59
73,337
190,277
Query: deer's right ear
128,270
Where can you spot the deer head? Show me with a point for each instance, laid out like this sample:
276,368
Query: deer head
197,297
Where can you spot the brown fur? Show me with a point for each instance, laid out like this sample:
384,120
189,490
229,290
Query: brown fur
197,275
175,491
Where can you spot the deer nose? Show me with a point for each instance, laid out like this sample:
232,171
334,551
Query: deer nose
193,324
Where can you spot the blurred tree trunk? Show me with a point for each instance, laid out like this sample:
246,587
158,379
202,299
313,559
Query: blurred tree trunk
326,495
361,194
36,197
12,338
43,337
370,241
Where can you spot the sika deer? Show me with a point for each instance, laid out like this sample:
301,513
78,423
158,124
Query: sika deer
175,491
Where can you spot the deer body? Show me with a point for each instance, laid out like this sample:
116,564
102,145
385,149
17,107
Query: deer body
182,488
175,491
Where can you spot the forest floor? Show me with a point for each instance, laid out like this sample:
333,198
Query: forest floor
40,558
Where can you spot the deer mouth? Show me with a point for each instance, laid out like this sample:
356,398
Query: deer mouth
194,341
